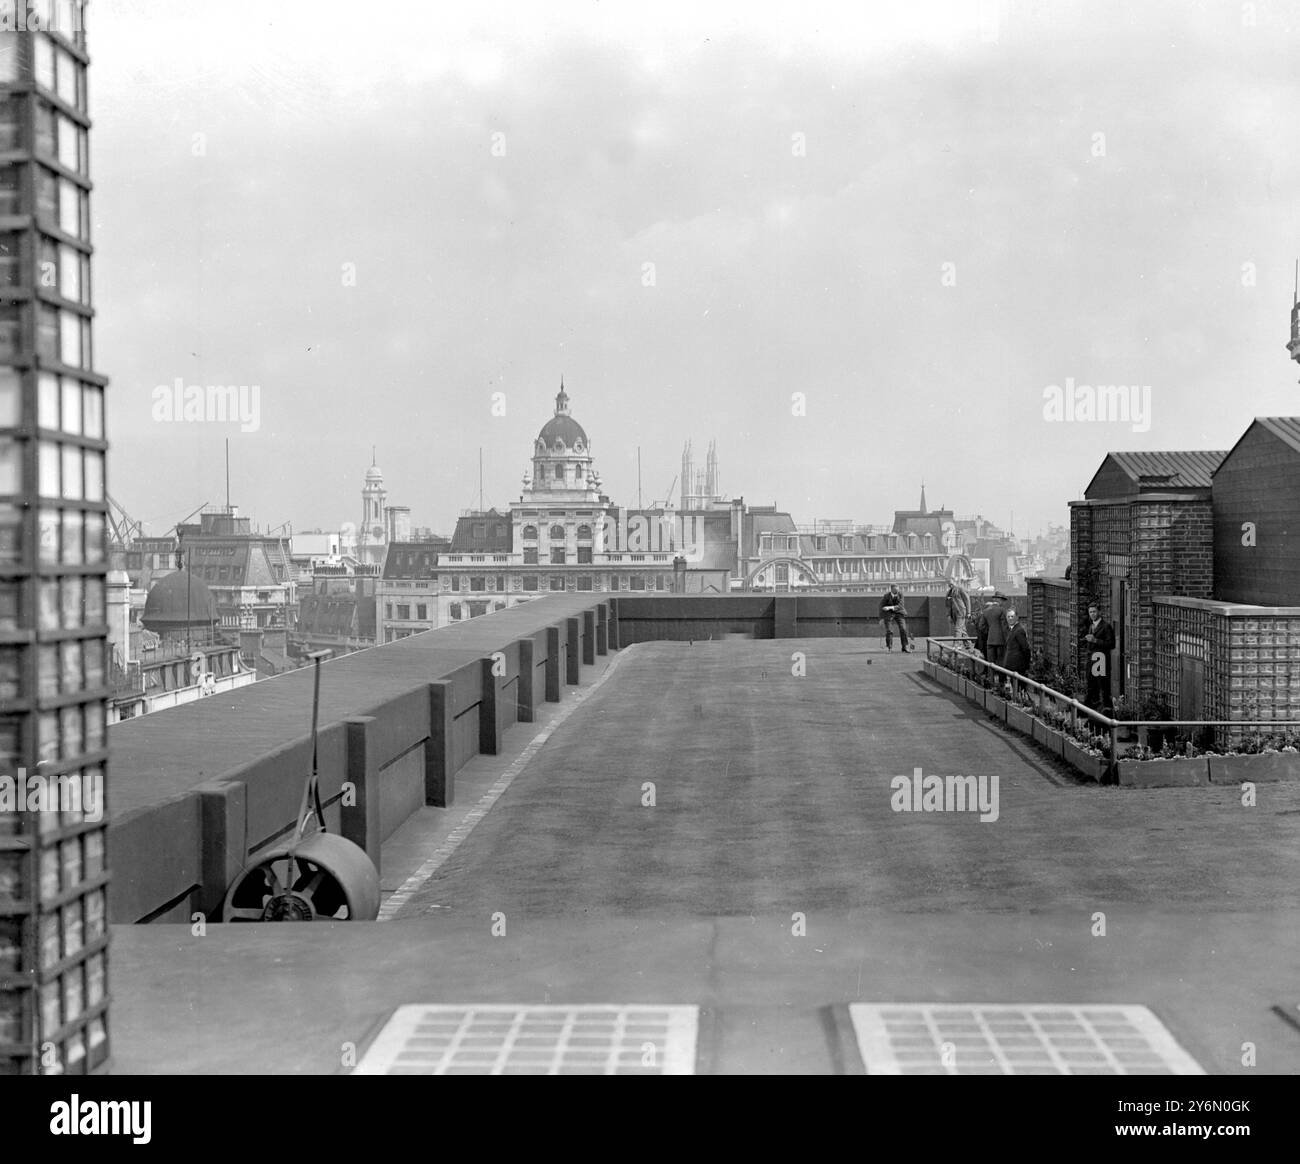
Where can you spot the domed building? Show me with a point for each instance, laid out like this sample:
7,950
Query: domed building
562,471
562,536
180,607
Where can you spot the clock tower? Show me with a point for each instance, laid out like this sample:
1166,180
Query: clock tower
372,536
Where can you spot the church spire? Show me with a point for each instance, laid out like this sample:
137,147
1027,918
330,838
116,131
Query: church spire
923,509
561,399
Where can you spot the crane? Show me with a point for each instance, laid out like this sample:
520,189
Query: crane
668,498
125,528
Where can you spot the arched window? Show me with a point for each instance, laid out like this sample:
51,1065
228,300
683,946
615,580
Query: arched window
557,533
559,445
559,472
584,533
577,472
530,532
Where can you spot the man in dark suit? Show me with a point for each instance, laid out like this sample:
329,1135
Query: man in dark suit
993,630
893,610
1017,653
1099,640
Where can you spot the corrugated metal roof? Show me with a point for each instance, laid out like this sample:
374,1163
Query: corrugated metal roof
1286,428
1185,469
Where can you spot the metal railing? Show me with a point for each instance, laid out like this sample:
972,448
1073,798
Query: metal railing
964,651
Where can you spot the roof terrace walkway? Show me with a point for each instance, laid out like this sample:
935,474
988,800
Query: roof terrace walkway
771,803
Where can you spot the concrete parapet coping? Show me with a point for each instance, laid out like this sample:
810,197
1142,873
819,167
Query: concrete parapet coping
1227,609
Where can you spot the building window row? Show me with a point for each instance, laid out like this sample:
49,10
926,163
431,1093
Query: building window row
62,336
56,69
61,138
70,732
63,404
401,611
69,603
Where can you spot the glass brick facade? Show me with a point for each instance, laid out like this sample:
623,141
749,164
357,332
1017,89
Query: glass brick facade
1249,656
53,619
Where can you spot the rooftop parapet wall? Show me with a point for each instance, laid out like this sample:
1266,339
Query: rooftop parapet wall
198,789
766,616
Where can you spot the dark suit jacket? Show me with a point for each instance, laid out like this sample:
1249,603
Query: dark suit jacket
1017,652
1105,637
895,601
995,620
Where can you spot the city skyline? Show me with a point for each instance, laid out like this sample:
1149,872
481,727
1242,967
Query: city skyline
923,224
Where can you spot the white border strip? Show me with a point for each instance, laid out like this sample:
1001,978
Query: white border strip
440,855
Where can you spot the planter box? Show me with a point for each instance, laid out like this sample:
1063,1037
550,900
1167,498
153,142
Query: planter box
995,705
1263,766
1020,719
1049,738
930,668
975,693
1180,773
1093,766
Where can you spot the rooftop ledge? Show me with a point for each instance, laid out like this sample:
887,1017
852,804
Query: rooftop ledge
1229,609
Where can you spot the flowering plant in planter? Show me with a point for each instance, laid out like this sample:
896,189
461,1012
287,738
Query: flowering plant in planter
1099,745
1167,751
1066,681
1058,719
1040,670
1026,700
1125,708
1154,707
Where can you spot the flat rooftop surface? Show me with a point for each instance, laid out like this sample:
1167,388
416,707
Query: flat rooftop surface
772,811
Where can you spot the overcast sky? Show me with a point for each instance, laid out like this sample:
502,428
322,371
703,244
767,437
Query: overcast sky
383,220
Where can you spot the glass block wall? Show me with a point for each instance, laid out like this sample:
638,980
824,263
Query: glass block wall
1251,655
53,619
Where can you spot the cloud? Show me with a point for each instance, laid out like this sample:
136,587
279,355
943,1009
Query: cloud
664,138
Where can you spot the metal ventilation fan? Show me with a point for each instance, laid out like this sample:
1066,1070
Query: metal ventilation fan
317,876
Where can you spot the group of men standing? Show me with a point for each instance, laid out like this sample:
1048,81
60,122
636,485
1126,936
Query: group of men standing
1001,638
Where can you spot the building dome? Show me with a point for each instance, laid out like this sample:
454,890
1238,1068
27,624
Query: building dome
374,473
178,600
562,427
